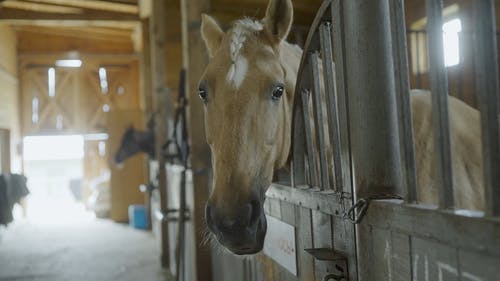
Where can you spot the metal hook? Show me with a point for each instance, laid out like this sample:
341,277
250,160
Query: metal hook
361,206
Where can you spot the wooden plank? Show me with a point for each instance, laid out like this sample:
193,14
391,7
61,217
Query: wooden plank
401,257
382,252
145,78
287,212
86,15
91,4
433,261
477,267
274,208
326,201
322,238
195,59
305,262
458,229
162,104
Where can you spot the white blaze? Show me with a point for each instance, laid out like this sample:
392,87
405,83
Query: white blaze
239,64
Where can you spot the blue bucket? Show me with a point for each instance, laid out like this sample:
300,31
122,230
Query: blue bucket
137,216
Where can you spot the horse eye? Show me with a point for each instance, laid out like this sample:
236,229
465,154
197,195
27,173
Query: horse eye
277,92
202,92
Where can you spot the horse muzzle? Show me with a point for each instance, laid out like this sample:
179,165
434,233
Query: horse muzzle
241,231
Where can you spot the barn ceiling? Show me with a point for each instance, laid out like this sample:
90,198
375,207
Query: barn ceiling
118,10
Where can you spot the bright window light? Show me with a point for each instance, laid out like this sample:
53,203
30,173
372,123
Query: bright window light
68,63
52,82
103,77
53,147
451,43
96,137
34,110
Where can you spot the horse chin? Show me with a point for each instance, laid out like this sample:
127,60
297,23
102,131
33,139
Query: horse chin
247,242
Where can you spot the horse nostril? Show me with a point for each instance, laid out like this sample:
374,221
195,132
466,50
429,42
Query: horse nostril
256,212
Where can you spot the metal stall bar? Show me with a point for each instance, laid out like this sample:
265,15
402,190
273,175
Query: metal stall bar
439,89
313,181
325,35
485,52
376,161
372,102
401,74
298,145
318,118
339,51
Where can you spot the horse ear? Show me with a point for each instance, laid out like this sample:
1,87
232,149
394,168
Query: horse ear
211,33
278,20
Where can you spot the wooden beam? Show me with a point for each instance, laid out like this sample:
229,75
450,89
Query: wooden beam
95,33
86,15
146,82
45,8
90,4
162,104
195,60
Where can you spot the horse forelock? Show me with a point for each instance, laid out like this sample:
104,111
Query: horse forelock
241,30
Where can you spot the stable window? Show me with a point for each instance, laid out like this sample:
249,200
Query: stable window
451,42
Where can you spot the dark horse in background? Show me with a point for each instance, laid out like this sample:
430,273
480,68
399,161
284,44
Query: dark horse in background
135,141
176,149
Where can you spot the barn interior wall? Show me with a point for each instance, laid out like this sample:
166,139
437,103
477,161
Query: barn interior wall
461,78
9,94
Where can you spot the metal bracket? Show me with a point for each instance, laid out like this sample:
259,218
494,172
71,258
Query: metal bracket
339,259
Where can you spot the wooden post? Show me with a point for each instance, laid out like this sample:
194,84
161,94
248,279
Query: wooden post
146,81
195,59
162,104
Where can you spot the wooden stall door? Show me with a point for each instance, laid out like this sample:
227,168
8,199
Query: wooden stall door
4,151
125,180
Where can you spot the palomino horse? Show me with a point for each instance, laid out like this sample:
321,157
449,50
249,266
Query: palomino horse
248,91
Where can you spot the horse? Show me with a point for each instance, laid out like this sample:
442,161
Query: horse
135,141
248,91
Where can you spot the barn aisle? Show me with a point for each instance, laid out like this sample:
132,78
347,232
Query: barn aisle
91,249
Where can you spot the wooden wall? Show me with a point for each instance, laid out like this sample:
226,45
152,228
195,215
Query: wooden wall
9,99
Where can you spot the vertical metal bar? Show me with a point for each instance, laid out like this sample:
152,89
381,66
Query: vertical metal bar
485,52
339,49
313,181
401,74
342,96
331,101
318,118
439,88
299,143
372,99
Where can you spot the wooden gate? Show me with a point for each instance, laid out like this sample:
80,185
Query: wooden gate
354,208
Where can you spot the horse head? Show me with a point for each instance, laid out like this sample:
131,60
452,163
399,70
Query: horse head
247,90
128,146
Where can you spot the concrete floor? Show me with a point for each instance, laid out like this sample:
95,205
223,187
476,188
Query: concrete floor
92,250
